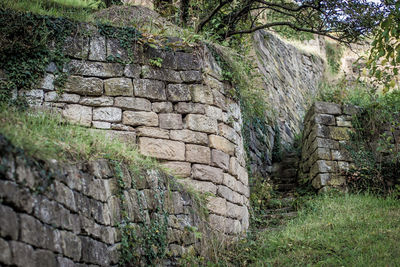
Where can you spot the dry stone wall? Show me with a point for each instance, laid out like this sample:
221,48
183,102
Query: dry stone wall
324,157
178,113
70,214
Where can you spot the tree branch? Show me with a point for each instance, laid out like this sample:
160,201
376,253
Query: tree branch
204,21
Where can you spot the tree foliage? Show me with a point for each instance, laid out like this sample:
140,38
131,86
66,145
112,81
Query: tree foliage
342,20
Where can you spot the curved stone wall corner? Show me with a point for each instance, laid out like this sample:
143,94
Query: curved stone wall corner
179,113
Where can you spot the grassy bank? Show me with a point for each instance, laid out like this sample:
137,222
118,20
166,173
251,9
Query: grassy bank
336,230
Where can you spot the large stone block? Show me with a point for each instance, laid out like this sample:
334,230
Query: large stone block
96,69
233,166
178,92
152,132
201,186
198,154
339,133
191,76
5,252
97,48
150,89
161,74
217,205
8,223
228,132
220,159
133,103
162,149
137,118
22,254
178,168
186,61
230,195
94,251
325,119
84,86
78,114
118,87
102,101
71,245
132,71
236,211
44,258
243,176
109,114
201,123
162,107
189,136
207,173
214,112
327,108
122,136
170,121
201,94
184,107
47,83
76,46
222,144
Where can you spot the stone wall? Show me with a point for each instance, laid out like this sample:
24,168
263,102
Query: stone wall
178,113
324,157
70,214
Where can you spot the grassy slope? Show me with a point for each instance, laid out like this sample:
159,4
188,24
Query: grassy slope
350,230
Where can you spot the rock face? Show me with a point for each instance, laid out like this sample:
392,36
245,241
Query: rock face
69,214
324,157
180,113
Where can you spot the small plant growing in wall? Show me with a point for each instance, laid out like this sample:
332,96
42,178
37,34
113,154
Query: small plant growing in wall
156,62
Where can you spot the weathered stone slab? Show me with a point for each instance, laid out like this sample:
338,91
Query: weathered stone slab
339,133
170,121
233,166
236,211
219,100
94,251
184,107
66,98
217,205
243,176
201,123
118,87
109,114
102,101
327,108
19,248
122,136
178,92
162,107
201,94
198,154
96,69
161,74
325,119
5,252
137,118
97,48
133,103
150,89
214,112
191,76
152,132
178,168
76,46
228,132
189,136
186,61
220,159
222,144
132,71
78,114
201,186
162,149
84,86
9,223
207,173
47,82
229,195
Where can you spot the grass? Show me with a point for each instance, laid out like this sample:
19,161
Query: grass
47,136
80,10
331,230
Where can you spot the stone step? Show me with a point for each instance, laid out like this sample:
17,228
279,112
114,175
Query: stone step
289,161
286,215
286,187
287,173
280,210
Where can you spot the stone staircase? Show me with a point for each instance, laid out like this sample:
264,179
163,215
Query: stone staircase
284,173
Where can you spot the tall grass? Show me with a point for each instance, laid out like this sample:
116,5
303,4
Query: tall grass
331,230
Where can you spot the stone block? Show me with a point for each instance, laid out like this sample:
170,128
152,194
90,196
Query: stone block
186,61
191,76
178,168
327,108
84,86
327,143
109,114
322,131
47,83
97,48
207,173
174,203
343,121
65,262
94,251
219,100
161,74
133,103
325,119
230,182
198,154
118,87
178,92
201,94
21,198
229,195
220,159
236,211
76,46
71,245
189,136
132,71
350,109
8,223
154,132
228,132
222,144
341,155
217,205
162,107
217,222
321,180
137,118
122,136
101,125
5,252
214,112
96,69
162,149
201,186
64,195
150,89
243,189
78,114
201,123
339,133
102,101
243,176
170,121
233,166
184,107
22,254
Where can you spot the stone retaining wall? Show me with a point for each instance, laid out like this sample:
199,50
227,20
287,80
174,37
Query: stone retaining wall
179,113
324,157
69,214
